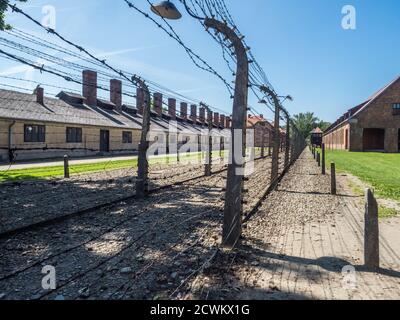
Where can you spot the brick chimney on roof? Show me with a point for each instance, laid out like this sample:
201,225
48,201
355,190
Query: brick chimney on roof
116,93
209,116
39,95
184,110
158,100
227,122
216,119
89,90
193,113
172,108
222,120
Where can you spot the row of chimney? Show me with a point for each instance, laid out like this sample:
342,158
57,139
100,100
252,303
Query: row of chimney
194,116
90,94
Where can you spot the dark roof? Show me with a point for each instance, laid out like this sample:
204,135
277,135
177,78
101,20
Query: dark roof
360,108
23,106
316,131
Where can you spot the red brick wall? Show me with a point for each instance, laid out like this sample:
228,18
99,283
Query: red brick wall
336,140
379,115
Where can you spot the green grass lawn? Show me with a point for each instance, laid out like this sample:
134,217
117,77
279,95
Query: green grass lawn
58,171
380,170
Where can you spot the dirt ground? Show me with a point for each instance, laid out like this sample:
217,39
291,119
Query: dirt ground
147,249
28,202
305,244
168,246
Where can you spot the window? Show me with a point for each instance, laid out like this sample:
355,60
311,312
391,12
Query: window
74,135
34,133
126,137
396,108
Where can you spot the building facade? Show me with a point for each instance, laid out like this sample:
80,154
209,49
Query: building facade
373,125
263,130
33,126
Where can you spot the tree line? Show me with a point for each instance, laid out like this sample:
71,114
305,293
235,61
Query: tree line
306,122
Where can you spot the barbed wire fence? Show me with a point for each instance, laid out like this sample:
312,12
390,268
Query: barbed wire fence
67,70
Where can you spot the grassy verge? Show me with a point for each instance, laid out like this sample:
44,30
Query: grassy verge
58,171
380,170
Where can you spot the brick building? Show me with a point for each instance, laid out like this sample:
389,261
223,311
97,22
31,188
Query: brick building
374,125
263,130
33,126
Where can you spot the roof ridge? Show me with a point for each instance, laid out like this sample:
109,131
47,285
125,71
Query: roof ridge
375,96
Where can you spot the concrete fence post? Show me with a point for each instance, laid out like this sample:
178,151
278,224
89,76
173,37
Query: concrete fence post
276,141
333,178
287,142
323,159
66,167
208,165
221,146
233,208
263,144
371,232
143,104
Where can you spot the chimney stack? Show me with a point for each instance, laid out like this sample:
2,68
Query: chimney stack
202,115
89,89
184,113
40,95
209,117
227,122
222,121
158,98
172,108
193,113
116,93
216,119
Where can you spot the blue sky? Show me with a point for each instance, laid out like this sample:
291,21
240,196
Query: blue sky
301,45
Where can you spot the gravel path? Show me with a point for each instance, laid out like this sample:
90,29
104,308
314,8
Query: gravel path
297,245
136,250
25,203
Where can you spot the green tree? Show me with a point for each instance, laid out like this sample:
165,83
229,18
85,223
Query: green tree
323,125
306,122
3,9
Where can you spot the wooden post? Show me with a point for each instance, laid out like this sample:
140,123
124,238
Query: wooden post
319,159
142,187
66,167
323,159
371,232
333,179
233,211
